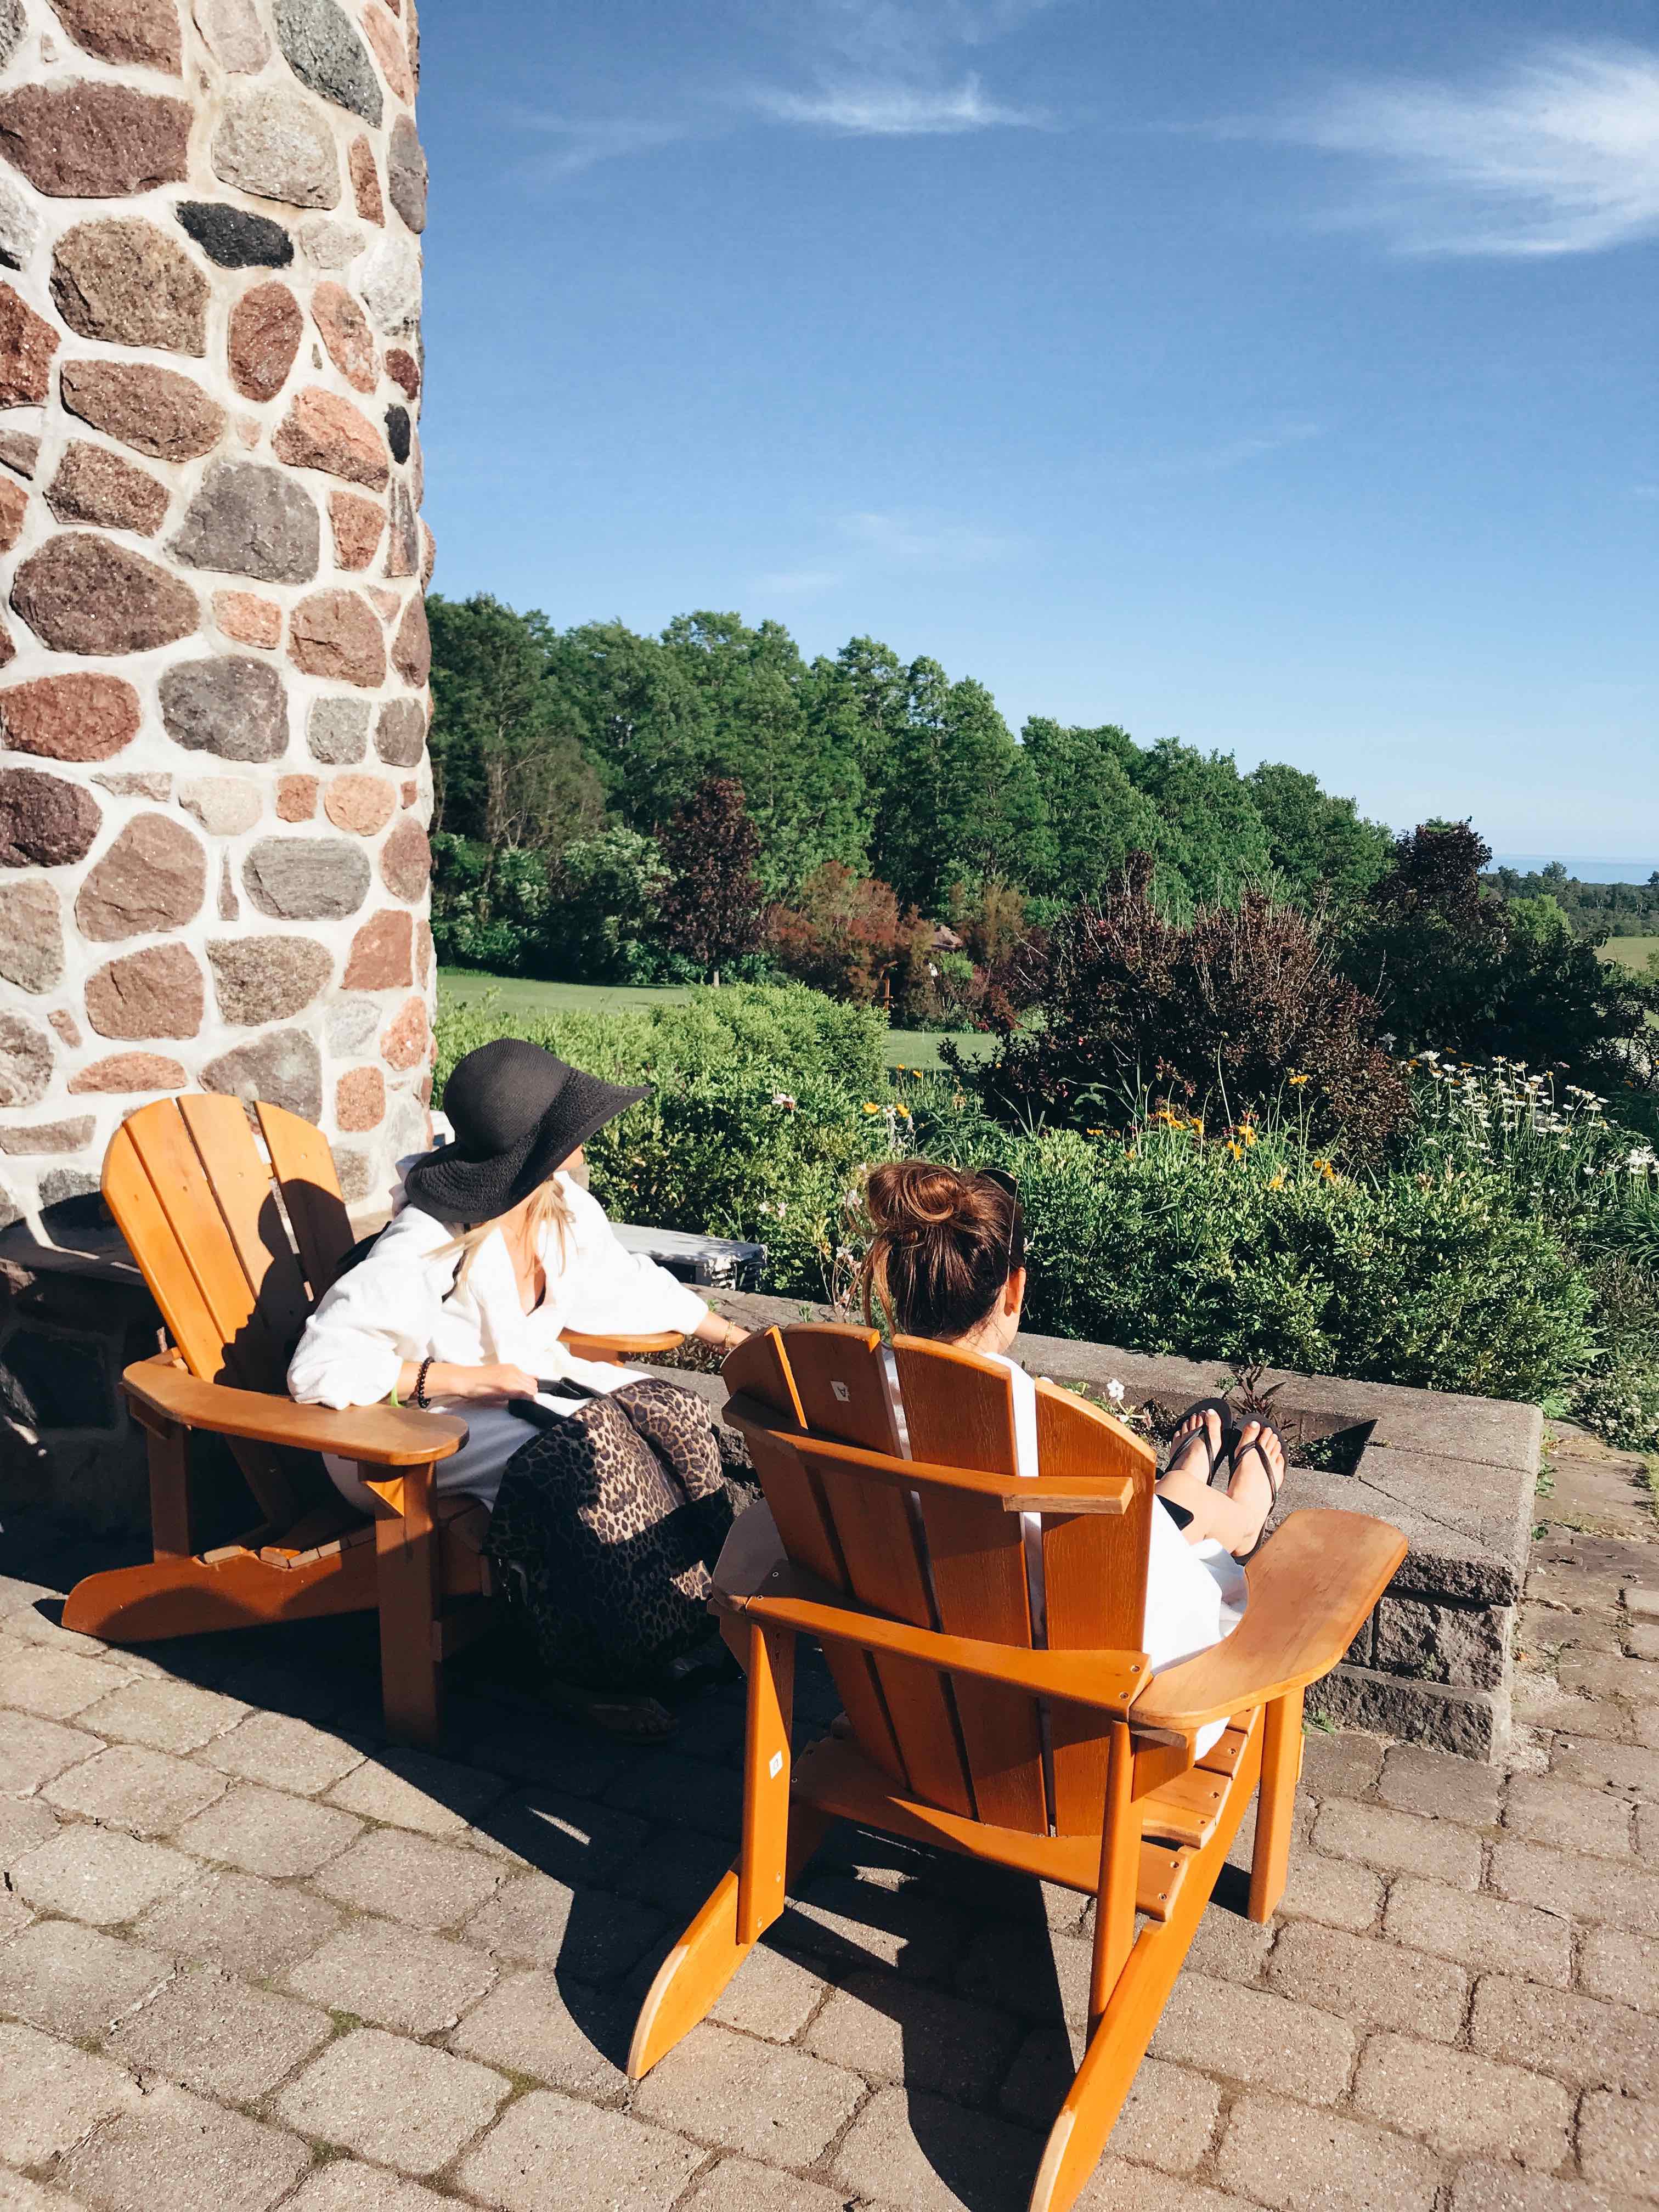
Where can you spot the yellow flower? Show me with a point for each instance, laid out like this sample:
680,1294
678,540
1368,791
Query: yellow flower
1325,1169
1298,1080
869,1109
1277,1183
1235,1152
1094,1132
1248,1134
904,1110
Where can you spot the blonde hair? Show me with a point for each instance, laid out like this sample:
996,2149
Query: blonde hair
547,1204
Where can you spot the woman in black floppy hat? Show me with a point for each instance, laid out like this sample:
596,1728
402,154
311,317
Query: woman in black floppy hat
460,1302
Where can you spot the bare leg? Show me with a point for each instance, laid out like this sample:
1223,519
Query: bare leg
1233,1517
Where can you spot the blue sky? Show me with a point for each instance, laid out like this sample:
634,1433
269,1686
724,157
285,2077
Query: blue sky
1280,378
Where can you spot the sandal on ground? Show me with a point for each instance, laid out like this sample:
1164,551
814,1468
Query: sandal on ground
1230,1435
632,1716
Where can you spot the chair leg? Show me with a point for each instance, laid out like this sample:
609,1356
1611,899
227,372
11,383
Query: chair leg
169,1448
771,1696
406,1575
1275,1812
1120,1862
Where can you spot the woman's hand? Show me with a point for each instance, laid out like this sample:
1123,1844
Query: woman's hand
724,1335
446,1380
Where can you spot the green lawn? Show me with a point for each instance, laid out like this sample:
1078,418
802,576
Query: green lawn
1631,951
465,987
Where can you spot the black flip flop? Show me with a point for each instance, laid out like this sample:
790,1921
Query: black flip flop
1230,1432
1275,1483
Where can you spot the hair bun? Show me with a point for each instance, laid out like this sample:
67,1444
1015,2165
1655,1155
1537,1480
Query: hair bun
911,1195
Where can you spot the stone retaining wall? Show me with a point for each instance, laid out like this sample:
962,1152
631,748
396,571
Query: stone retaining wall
1456,1476
213,789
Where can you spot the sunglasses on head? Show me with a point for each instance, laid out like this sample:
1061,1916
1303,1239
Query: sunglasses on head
1006,1183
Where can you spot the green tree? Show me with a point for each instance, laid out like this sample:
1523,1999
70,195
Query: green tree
602,917
634,708
1210,837
1318,844
945,814
1094,815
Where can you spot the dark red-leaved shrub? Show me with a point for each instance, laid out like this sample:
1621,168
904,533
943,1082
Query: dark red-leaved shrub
1219,1012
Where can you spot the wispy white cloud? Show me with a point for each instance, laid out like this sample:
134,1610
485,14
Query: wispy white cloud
1557,154
582,144
1238,453
873,543
896,111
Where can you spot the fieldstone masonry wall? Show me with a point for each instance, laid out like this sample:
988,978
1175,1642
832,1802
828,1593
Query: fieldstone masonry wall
214,790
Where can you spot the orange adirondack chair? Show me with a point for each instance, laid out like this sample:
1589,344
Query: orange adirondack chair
235,1247
926,1626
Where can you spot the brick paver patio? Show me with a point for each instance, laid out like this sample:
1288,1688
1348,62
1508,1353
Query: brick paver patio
249,1958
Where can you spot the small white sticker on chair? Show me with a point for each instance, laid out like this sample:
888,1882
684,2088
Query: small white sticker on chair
841,1393
776,1767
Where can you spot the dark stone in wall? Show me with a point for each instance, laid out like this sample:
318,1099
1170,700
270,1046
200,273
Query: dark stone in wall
397,433
235,238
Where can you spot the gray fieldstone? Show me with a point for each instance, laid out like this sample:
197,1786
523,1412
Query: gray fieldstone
389,284
14,23
125,281
400,733
157,992
49,1137
274,144
233,34
82,593
234,238
249,520
356,1172
283,1068
351,1025
234,706
267,979
331,242
30,936
93,140
225,805
153,877
324,52
20,225
337,731
43,821
155,410
85,716
406,173
306,878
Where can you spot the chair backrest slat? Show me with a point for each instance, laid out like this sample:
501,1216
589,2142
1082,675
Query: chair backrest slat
156,1244
242,1184
840,1384
304,1167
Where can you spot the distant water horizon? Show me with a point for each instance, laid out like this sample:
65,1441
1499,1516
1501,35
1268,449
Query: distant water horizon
1587,872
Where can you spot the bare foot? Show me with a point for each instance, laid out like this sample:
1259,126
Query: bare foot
1255,1486
1197,1430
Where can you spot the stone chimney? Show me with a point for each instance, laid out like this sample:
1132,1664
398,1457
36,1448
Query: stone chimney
214,787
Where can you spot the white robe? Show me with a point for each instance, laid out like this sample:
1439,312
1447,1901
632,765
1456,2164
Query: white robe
401,1303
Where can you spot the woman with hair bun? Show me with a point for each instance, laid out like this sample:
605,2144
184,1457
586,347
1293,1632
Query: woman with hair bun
947,1261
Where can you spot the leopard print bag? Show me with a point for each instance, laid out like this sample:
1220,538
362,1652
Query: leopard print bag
607,1524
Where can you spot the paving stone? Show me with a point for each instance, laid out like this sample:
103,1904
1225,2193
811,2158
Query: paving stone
1619,2142
1228,1945
1462,2105
686,1793
1283,2154
1624,1968
562,1835
735,2186
74,1980
677,1871
343,2185
1444,1788
232,1920
17,2195
166,1714
284,1752
1579,2040
778,2105
220,2038
1168,2117
52,2094
549,2154
1600,1674
1338,1893
855,1923
926,2155
1342,1766
1371,1983
1243,2034
1116,2186
1549,1810
32,1751
55,1684
1594,1890
1022,1968
773,1996
267,1832
178,2154
583,1932
97,1875
395,2102
14,1913
1631,1768
1482,2187
409,1789
892,2030
394,1976
148,1792
1483,1932
1399,1843
554,2031
423,1884
1541,1702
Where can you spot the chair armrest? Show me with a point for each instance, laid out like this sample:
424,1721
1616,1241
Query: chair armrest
384,1435
788,1597
1312,1584
616,1351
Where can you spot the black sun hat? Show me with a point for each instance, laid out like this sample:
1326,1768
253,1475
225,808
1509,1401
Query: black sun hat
518,1112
